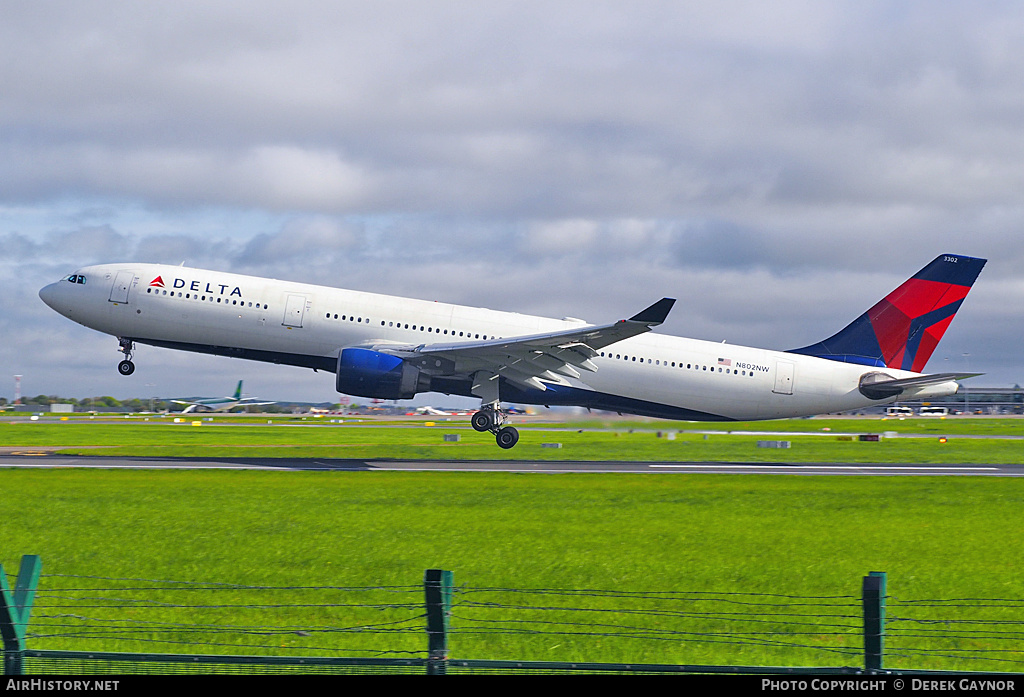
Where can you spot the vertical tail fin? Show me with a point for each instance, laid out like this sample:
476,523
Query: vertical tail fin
902,330
238,390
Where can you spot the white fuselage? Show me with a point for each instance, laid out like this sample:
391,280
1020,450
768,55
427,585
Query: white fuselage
308,325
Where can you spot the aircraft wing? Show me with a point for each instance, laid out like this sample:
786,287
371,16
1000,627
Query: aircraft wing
189,408
534,359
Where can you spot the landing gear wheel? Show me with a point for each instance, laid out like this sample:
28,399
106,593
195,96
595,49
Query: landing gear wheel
126,367
491,418
507,437
483,420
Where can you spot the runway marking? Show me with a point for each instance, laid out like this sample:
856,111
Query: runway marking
833,467
80,465
540,467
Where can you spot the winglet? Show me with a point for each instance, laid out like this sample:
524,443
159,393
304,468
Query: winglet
656,313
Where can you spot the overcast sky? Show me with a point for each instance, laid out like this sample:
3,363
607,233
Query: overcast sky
776,166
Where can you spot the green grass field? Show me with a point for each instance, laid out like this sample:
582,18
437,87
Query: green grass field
810,537
623,440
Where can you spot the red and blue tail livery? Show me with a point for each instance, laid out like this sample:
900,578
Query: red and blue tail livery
902,330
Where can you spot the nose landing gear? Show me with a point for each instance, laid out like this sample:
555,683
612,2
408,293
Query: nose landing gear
126,367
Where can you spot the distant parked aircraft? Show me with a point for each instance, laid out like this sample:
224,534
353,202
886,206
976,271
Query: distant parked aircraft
220,403
432,411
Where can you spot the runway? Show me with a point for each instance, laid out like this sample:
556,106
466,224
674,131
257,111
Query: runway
37,458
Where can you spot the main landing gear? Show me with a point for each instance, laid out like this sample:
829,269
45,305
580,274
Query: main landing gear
491,419
126,367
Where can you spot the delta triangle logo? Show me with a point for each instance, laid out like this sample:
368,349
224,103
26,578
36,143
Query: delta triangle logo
157,282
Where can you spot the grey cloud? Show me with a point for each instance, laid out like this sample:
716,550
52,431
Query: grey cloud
568,158
578,111
328,108
82,245
17,247
722,243
190,250
302,241
91,245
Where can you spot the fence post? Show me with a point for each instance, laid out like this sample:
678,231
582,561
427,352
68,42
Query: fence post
437,587
873,598
14,611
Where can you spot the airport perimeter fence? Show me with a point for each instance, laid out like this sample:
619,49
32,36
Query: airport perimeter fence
418,629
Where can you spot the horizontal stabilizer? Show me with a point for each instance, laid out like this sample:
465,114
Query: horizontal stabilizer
882,386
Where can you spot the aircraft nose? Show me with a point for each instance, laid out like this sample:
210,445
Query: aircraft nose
49,294
46,294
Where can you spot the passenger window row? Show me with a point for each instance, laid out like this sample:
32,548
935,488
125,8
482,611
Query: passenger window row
413,327
206,298
674,364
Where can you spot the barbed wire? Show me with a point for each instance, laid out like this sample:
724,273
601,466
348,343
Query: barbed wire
993,640
651,612
119,610
238,645
945,602
158,605
940,653
137,611
692,596
214,585
746,620
659,631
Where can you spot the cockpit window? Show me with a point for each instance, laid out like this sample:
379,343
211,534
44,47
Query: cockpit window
76,278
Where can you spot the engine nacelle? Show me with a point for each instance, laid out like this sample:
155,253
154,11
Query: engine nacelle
366,373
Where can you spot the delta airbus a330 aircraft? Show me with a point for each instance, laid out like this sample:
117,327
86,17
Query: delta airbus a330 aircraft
393,348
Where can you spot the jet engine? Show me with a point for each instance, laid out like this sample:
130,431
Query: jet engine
366,373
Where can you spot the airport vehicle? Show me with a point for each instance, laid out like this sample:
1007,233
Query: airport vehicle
899,411
934,411
386,347
219,403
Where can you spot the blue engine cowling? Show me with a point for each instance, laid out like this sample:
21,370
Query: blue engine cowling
366,373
